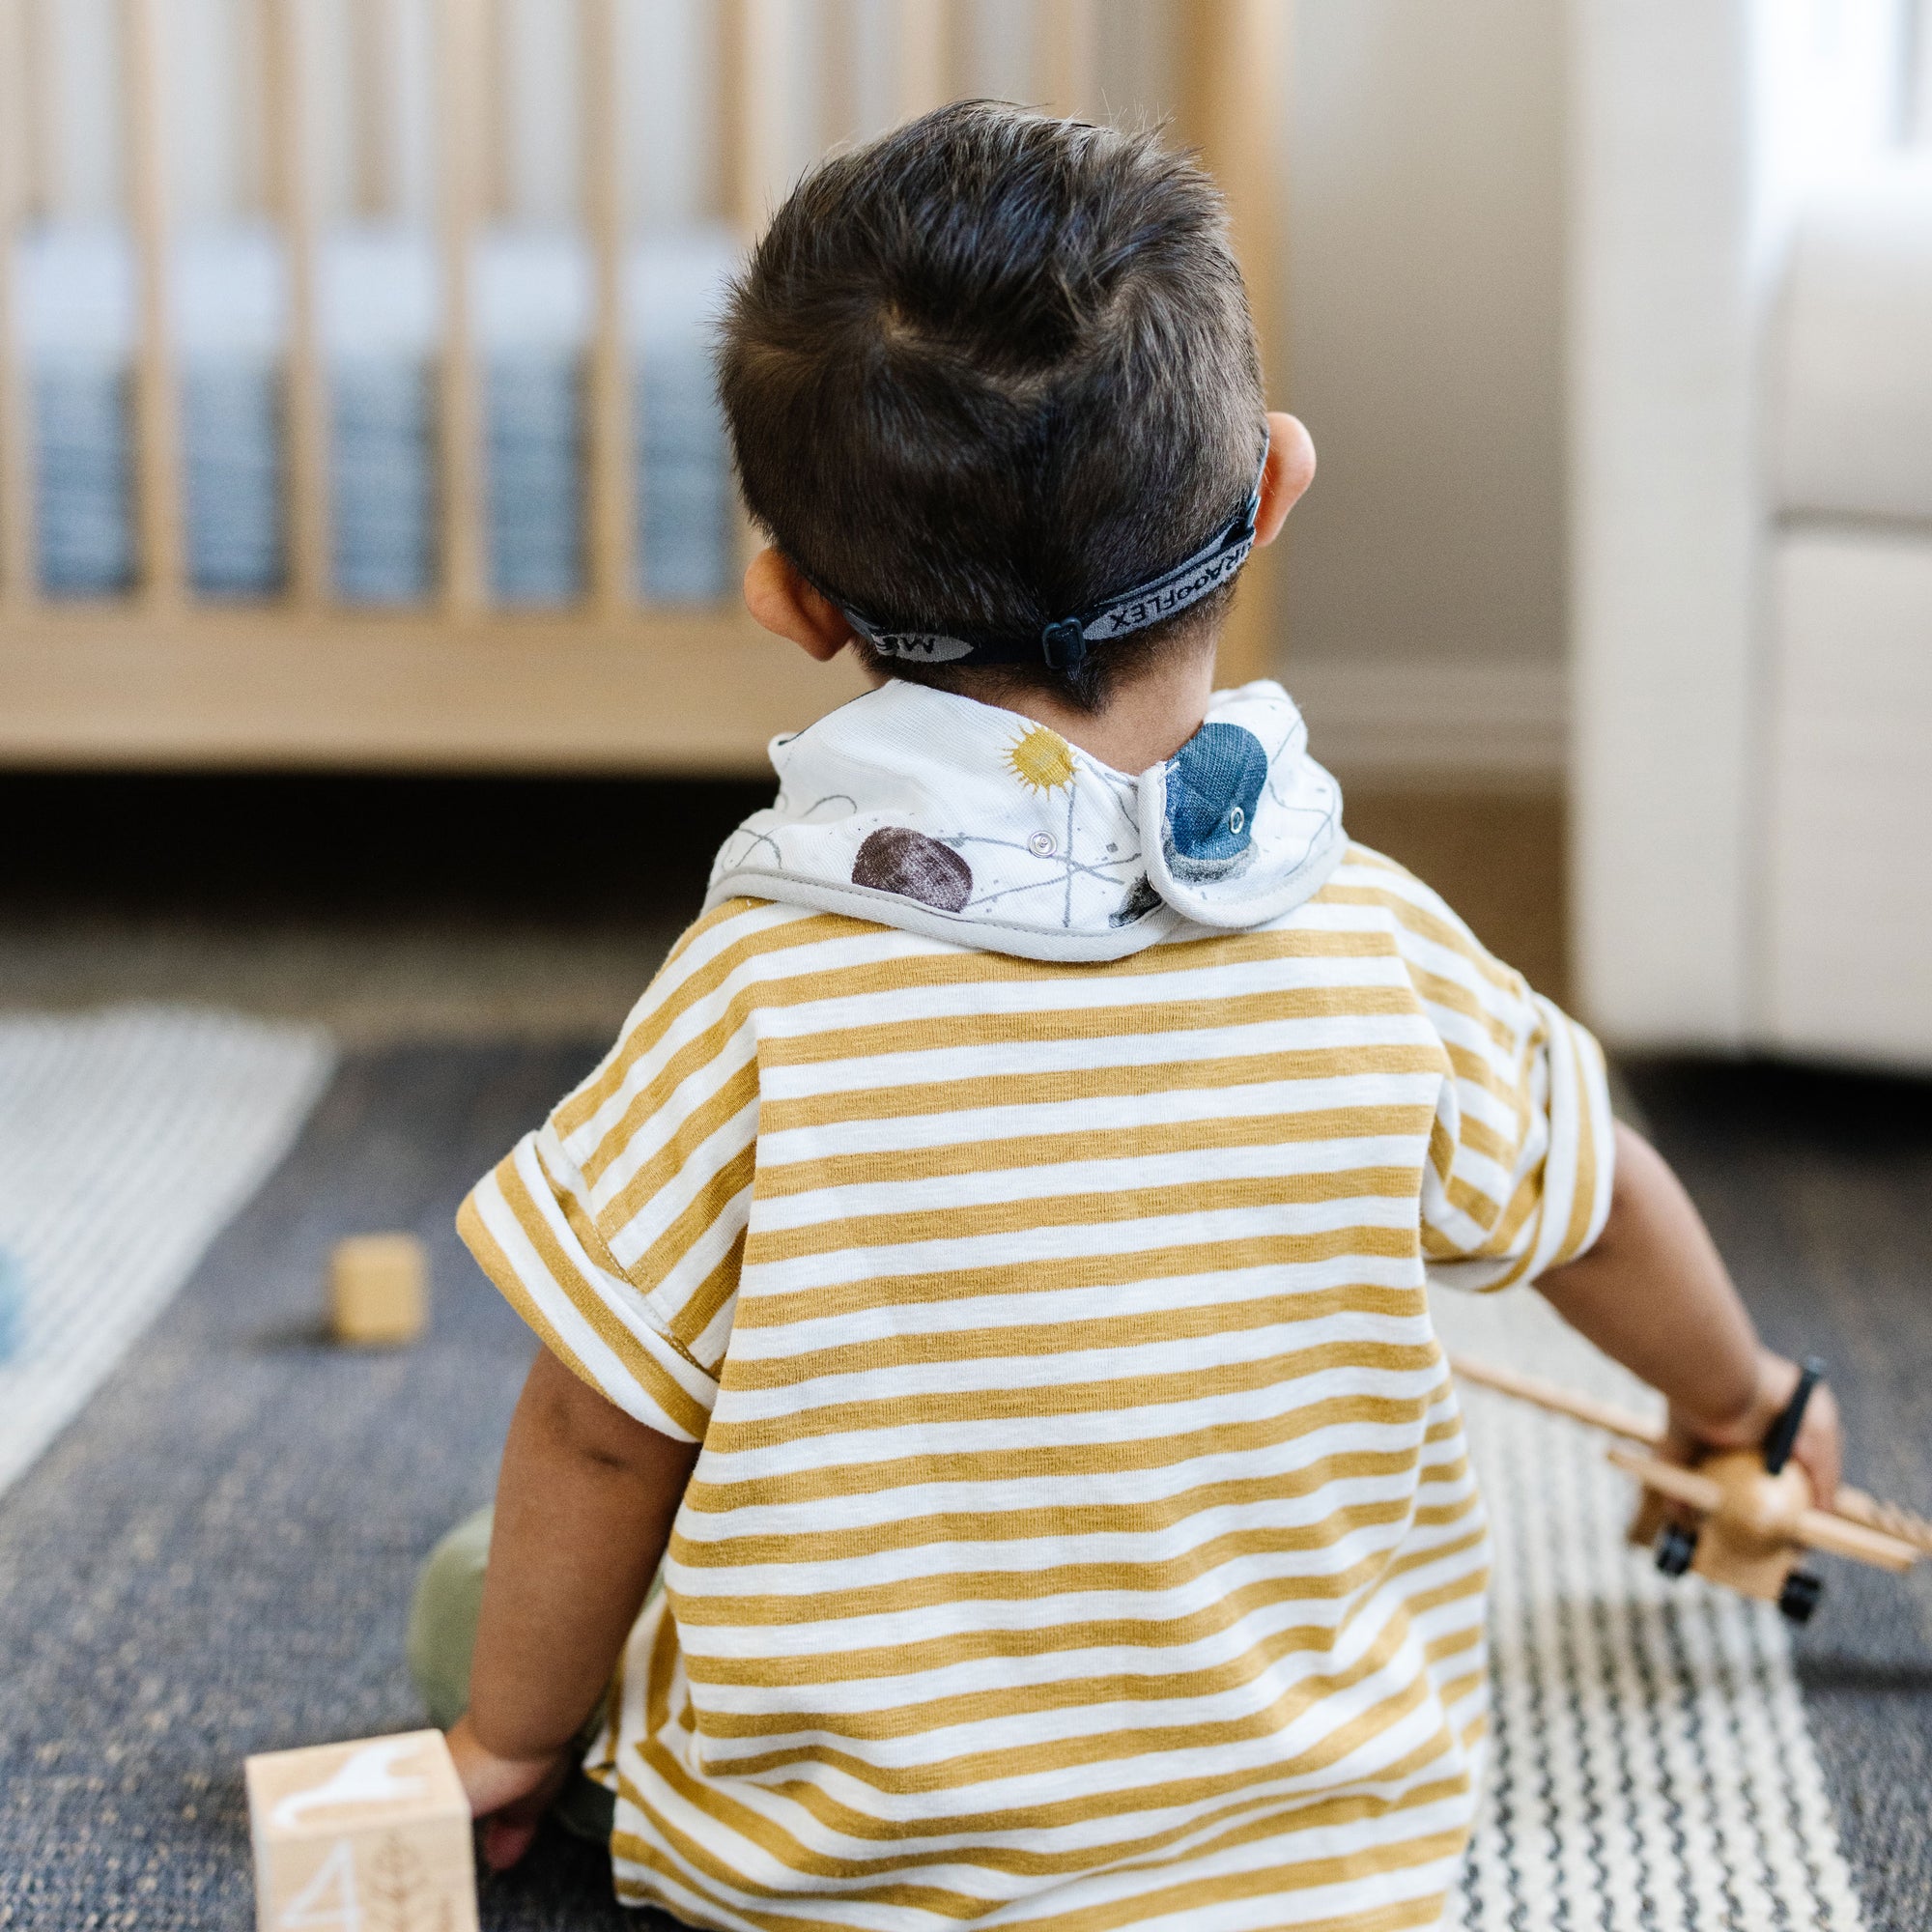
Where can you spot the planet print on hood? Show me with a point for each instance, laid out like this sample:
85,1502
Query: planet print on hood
931,812
1213,786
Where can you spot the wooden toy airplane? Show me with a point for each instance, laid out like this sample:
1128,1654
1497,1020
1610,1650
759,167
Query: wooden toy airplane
1755,1521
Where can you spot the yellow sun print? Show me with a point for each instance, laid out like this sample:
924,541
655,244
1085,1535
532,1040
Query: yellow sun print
1041,760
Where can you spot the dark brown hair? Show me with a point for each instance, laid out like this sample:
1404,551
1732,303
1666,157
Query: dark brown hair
990,370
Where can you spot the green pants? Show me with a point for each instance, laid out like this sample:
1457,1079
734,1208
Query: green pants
442,1635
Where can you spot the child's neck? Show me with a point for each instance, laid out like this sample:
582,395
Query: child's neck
1142,724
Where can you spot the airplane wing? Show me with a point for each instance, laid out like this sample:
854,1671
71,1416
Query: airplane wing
1822,1530
1672,1479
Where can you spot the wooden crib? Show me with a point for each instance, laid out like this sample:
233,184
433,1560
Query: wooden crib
161,677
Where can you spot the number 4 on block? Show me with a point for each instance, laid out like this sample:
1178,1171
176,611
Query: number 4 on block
367,1836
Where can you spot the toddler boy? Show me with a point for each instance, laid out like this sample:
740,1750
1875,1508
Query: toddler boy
990,1269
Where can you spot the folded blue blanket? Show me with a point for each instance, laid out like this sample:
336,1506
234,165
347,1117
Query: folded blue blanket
379,317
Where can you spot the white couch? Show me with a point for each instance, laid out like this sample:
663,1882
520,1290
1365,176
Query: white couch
1752,361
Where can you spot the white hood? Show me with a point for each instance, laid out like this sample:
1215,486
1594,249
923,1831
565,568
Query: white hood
961,821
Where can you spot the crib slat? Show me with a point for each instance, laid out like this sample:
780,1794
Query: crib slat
292,64
158,474
260,157
37,90
925,56
18,576
1068,45
1234,83
373,106
612,503
753,107
753,110
460,74
838,72
499,161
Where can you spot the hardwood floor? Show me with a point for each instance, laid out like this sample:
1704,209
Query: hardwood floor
451,908
1498,858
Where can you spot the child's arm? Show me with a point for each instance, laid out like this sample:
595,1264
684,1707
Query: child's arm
584,1505
1654,1294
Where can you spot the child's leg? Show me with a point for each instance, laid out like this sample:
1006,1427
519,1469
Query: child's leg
442,1635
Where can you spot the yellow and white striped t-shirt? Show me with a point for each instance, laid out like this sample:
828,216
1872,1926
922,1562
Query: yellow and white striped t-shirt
1083,1535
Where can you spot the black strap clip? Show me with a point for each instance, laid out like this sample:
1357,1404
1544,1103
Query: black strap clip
1063,643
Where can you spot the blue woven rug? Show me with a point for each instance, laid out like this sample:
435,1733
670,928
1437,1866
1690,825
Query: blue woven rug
217,1557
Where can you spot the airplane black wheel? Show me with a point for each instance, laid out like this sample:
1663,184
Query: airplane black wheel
1800,1595
1676,1546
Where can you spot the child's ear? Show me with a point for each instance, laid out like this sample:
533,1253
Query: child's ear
779,599
1291,470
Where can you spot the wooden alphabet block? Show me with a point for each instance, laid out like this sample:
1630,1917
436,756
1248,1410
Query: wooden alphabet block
367,1836
378,1289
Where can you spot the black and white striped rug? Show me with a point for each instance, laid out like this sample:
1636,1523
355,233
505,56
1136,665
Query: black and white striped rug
1650,1763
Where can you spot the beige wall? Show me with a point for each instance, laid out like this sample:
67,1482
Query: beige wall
1426,318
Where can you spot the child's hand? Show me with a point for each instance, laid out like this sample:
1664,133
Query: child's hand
1819,1449
509,1794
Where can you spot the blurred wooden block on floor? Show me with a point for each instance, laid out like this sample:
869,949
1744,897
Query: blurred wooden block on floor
378,1291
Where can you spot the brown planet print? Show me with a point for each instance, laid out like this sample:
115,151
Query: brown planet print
898,860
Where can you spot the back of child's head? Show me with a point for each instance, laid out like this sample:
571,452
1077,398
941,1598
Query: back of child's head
990,369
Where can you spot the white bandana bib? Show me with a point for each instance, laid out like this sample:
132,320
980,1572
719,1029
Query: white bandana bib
937,815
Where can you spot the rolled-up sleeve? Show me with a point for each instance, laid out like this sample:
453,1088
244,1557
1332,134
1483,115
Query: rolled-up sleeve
616,1229
1522,1153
